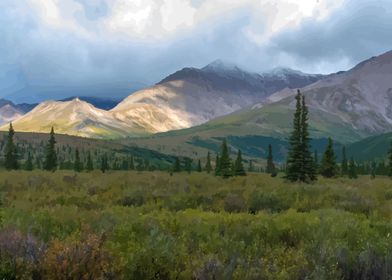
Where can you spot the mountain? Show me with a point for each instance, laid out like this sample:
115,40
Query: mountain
10,112
194,96
98,102
75,117
184,99
347,106
374,147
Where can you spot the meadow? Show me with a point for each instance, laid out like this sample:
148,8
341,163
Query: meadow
153,225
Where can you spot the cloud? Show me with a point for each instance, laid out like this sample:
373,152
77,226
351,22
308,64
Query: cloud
75,44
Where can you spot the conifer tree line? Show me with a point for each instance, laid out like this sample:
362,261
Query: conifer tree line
302,164
50,156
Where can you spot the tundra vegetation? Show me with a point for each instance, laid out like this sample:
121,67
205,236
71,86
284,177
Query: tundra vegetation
92,214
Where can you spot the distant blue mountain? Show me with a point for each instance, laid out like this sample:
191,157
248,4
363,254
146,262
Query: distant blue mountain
101,103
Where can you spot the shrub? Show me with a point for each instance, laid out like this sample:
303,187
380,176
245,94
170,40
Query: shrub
77,259
234,203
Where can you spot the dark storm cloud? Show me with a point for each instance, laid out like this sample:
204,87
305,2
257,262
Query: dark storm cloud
37,62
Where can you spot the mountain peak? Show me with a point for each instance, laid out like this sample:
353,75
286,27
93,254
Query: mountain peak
220,65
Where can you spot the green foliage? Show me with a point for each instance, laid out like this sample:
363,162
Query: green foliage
89,164
225,166
208,163
78,166
50,163
300,164
270,169
176,165
11,152
352,169
104,163
390,159
199,169
150,225
28,166
217,166
344,170
328,167
239,169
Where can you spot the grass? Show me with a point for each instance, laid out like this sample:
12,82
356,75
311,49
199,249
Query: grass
150,225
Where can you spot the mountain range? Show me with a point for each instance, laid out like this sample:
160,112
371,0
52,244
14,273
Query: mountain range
193,108
184,99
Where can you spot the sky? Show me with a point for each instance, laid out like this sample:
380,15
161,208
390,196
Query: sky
109,48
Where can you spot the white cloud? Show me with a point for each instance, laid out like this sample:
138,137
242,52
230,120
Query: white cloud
162,19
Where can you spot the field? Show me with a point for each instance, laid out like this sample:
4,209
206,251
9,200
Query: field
150,225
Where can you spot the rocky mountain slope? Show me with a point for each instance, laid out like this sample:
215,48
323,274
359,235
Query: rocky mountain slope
194,96
187,98
347,106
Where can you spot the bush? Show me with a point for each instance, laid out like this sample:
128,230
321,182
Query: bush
234,203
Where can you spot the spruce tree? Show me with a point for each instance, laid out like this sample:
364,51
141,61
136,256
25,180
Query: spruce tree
11,152
373,169
328,166
188,165
50,163
300,165
77,164
250,167
89,164
125,164
352,169
390,160
217,166
344,162
294,160
28,166
199,169
208,164
176,165
104,163
309,168
132,164
239,169
316,161
270,169
225,161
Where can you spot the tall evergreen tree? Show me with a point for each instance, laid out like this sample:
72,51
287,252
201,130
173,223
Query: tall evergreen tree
104,163
77,164
309,168
344,162
89,164
373,169
300,164
28,166
294,162
270,169
250,167
352,169
217,166
316,161
390,160
50,163
188,165
239,169
328,166
199,169
132,164
11,152
176,165
225,161
125,164
208,164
